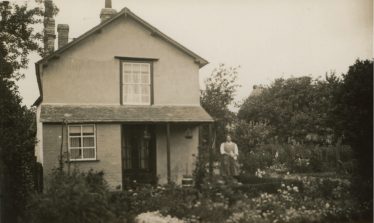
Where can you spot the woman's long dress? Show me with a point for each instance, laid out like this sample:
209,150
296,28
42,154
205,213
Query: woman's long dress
229,166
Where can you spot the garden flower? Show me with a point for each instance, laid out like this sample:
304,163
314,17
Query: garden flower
295,189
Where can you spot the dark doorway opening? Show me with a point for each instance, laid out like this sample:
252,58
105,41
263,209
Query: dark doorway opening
138,154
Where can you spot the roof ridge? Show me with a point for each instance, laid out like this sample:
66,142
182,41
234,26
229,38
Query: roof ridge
125,11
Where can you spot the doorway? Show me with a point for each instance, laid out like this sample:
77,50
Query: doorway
138,154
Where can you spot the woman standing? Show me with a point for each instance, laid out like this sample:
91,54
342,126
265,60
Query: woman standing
229,163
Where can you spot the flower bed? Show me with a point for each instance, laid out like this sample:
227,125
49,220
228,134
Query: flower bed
321,201
305,199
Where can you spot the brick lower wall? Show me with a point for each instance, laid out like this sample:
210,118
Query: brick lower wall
108,141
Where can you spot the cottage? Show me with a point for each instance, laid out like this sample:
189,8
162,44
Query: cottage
122,98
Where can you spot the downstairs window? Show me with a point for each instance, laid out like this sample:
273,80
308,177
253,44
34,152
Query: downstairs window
82,142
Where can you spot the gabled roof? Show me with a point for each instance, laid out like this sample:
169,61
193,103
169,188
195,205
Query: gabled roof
126,12
120,114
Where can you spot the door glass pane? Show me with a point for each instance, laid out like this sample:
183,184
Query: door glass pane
144,154
127,160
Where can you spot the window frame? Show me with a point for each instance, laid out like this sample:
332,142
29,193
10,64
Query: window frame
151,84
81,136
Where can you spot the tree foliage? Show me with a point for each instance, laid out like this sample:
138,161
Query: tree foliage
296,108
18,37
219,93
353,113
218,96
17,140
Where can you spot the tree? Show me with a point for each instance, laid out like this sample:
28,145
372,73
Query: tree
216,98
353,113
18,39
219,93
17,140
296,108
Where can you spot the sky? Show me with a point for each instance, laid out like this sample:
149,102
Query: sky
268,39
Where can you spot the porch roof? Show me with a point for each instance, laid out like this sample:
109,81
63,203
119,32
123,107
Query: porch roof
122,113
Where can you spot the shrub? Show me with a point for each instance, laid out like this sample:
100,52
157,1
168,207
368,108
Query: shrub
78,197
297,158
210,204
258,158
254,186
319,201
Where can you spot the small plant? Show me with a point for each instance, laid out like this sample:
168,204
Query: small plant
260,173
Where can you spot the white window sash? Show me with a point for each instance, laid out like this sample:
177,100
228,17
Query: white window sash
81,148
139,83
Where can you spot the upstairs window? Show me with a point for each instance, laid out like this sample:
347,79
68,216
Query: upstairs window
136,83
82,142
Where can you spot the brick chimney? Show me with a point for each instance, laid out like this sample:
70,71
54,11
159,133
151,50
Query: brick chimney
49,28
107,12
63,34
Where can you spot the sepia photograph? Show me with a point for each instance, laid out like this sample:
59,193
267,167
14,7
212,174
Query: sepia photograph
186,111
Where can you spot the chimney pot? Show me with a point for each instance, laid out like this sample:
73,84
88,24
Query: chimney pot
48,8
49,35
107,12
49,28
108,4
63,34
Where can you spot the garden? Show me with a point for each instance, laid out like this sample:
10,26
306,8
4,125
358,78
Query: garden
267,195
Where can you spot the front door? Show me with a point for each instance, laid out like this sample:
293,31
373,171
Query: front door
138,154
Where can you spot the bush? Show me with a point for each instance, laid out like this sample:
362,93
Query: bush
78,197
259,157
319,201
296,158
184,203
254,186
